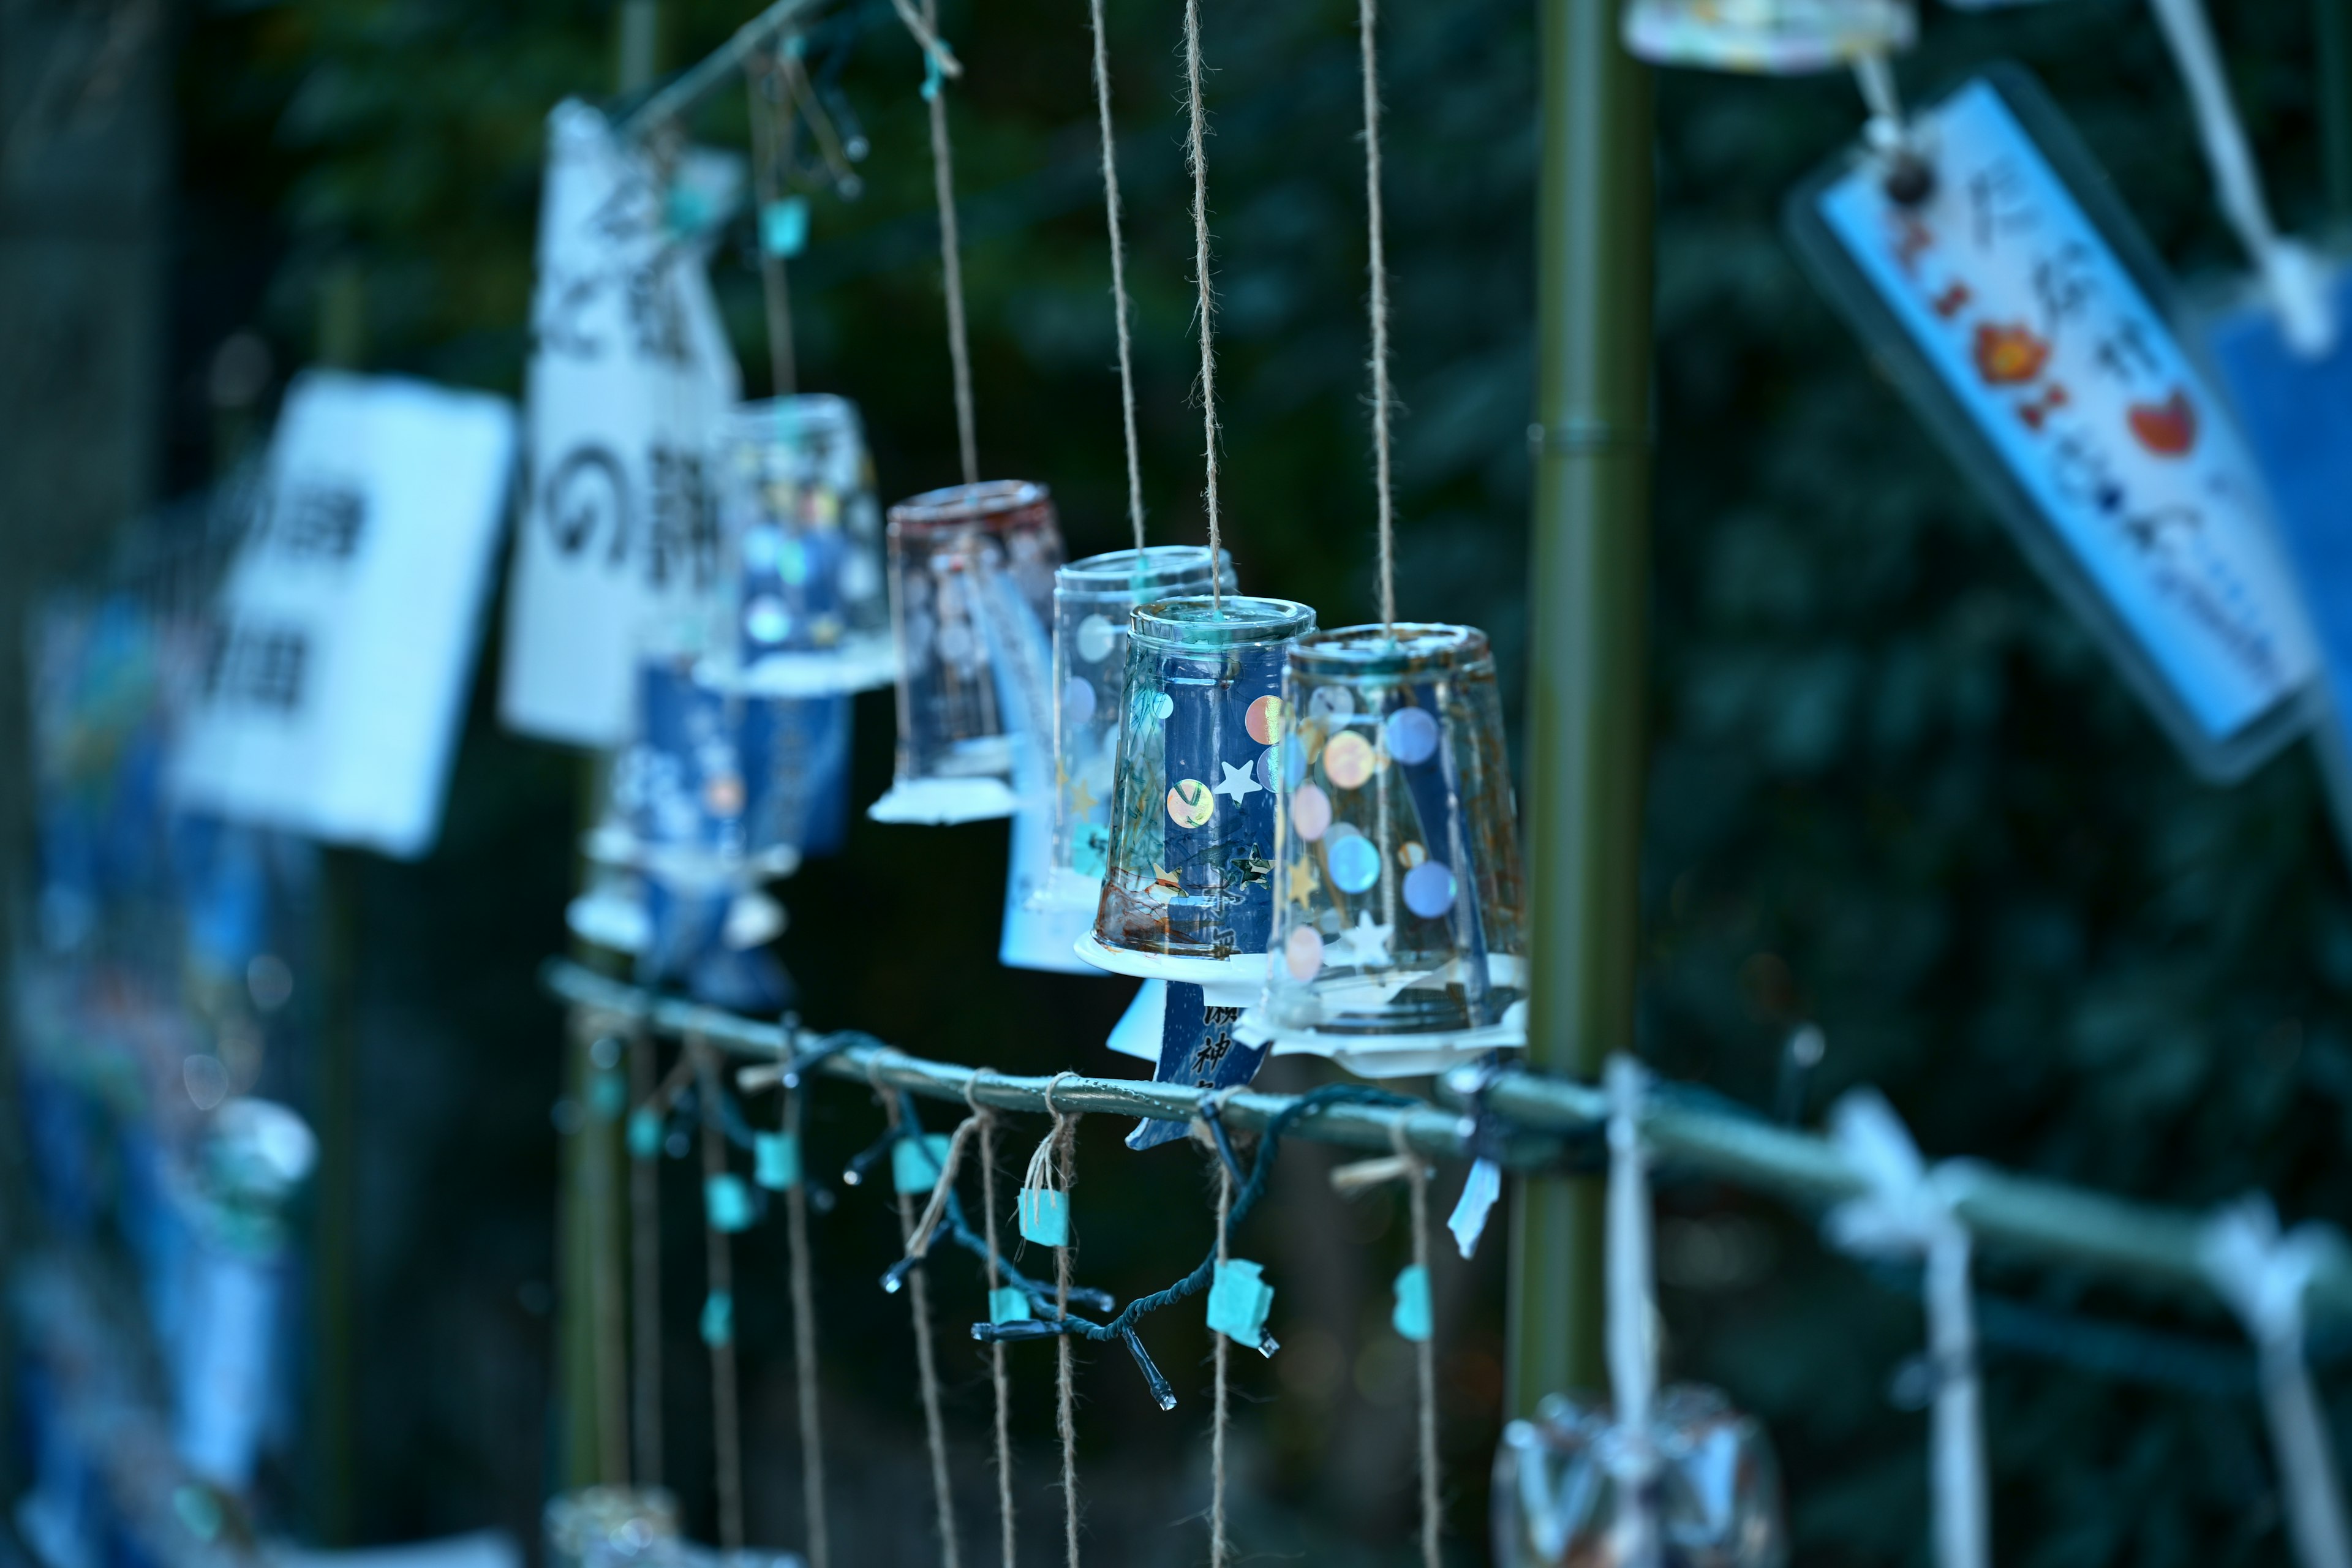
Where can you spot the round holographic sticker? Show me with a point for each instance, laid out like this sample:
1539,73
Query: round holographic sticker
1094,639
1429,890
765,619
1355,864
1347,760
1411,854
723,795
1264,719
1411,735
1078,699
1190,804
1331,702
1310,812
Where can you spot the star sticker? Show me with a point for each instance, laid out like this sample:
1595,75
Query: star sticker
1082,799
1302,882
1368,944
1237,783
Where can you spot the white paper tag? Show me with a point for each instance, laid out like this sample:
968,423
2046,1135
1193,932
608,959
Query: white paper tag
2006,307
343,644
631,376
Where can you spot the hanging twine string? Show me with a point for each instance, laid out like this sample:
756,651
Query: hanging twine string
1424,1358
925,1369
1197,154
645,1274
938,63
2290,272
1367,14
2262,1275
726,1437
1220,1551
997,1378
1631,1351
771,150
1911,1211
1118,274
918,1245
1065,1140
804,1361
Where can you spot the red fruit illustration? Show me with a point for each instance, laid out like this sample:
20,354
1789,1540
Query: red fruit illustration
2167,428
2007,356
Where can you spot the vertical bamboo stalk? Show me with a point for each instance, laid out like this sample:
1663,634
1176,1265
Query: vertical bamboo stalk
1585,663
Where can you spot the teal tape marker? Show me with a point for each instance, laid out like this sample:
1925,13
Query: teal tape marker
776,1161
1412,1316
1239,1301
1044,1216
608,1095
785,227
729,1201
916,1164
645,1133
717,1320
1008,1305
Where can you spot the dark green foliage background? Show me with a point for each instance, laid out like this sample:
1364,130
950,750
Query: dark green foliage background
1893,788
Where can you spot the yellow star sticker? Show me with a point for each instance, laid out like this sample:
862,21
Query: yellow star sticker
1302,882
1082,799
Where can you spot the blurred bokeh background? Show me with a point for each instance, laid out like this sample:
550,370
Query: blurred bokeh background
1894,789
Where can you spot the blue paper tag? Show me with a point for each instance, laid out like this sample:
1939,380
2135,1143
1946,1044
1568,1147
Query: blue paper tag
1412,1316
1196,1048
915,1164
1239,1301
727,1202
645,1133
1008,1305
717,1324
776,1161
1479,1191
785,227
1044,1216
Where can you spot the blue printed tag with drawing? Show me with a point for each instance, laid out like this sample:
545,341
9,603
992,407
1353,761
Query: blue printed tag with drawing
1196,1048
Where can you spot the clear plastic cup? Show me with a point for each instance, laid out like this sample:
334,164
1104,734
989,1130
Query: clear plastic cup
1768,38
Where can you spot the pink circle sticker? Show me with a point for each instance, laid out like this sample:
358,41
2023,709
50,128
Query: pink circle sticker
1303,954
1347,760
1310,812
1264,719
1190,804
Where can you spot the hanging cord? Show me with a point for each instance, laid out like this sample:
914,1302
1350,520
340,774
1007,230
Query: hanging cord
1065,1140
1913,1210
804,1361
774,127
645,1269
1197,154
1367,17
1220,1551
727,1436
1118,275
2262,1275
997,1378
926,1368
939,62
1632,1352
1910,179
2289,271
1424,1358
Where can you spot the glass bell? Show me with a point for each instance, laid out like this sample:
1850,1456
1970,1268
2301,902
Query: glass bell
1400,932
804,548
1187,888
1558,1496
1767,38
961,560
1093,600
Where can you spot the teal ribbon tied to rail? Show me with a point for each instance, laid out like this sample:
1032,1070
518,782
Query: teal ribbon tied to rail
717,1320
644,1132
916,1161
776,1161
1044,1216
1413,1316
1239,1299
728,1203
1008,1304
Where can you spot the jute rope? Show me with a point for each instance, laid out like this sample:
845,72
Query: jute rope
1220,1551
1065,1139
645,1274
997,1378
924,25
727,1431
925,1369
1424,1350
772,133
1197,154
804,1361
1118,274
1367,12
